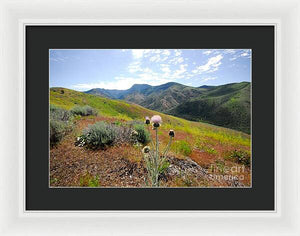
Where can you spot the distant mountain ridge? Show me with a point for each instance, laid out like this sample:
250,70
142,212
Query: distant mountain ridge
224,105
136,88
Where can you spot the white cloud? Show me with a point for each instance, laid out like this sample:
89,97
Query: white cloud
208,78
150,78
137,53
244,53
105,85
134,67
155,58
166,52
53,59
179,73
58,59
177,52
176,60
212,65
157,55
207,52
230,51
146,70
123,82
233,58
140,53
165,68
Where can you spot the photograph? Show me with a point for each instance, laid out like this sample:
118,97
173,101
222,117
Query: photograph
150,118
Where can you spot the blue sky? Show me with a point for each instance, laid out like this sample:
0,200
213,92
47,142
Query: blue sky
121,68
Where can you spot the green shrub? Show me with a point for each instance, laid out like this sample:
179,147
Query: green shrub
182,147
58,130
239,156
99,135
90,111
89,181
57,113
60,124
84,111
78,110
143,135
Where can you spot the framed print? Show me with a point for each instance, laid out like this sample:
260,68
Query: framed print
218,94
150,118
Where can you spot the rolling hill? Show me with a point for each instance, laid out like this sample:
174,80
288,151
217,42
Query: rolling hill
196,146
225,105
122,110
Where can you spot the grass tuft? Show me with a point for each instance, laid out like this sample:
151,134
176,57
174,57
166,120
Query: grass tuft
181,147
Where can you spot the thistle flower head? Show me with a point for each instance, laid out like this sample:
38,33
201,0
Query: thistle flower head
146,149
147,120
171,133
156,121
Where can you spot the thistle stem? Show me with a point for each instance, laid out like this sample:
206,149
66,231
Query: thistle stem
168,147
152,144
156,159
166,151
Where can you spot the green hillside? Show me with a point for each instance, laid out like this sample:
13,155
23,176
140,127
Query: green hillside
227,106
121,110
165,99
67,99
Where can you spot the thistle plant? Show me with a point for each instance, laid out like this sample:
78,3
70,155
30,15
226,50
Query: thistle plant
155,163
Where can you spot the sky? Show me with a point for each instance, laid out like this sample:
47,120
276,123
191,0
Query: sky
85,69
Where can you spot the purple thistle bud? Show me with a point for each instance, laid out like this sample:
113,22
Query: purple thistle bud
156,119
147,120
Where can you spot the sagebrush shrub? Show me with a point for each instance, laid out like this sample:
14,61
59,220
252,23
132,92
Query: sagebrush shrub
132,123
143,135
58,130
60,124
57,113
84,111
99,135
89,111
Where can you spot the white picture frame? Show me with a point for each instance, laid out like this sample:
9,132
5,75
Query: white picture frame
15,15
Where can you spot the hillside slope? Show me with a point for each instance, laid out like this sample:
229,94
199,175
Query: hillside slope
67,98
225,105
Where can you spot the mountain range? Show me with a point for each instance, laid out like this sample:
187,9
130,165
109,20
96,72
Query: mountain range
224,105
